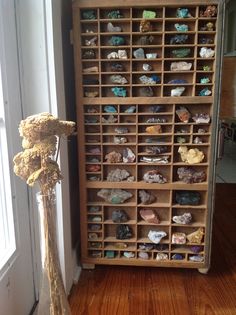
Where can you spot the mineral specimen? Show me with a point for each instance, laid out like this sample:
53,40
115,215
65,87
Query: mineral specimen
178,39
181,27
120,140
91,42
119,91
183,13
146,197
115,14
205,92
93,209
95,227
110,254
185,218
201,118
196,258
109,120
117,67
123,232
161,247
139,53
178,91
155,120
145,26
205,80
183,114
151,55
96,254
191,156
143,255
89,54
95,150
156,236
181,140
206,68
197,140
113,157
128,155
177,257
117,78
205,40
154,176
161,256
196,237
160,159
206,52
130,109
122,54
111,28
149,80
114,196
91,93
96,219
157,108
117,175
90,81
147,67
149,216
120,245
90,69
89,15
210,11
149,14
196,249
145,40
208,27
92,236
154,129
156,149
116,41
121,130
178,238
146,246
112,55
93,168
146,91
119,216
129,254
189,175
181,52
191,198
180,66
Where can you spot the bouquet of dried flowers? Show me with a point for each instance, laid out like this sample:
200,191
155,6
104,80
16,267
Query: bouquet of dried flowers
38,163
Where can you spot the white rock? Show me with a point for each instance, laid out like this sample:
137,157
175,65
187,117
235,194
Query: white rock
156,236
206,52
178,91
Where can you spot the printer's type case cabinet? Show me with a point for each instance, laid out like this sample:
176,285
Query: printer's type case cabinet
138,126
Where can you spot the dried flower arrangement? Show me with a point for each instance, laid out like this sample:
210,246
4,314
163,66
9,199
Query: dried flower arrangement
38,163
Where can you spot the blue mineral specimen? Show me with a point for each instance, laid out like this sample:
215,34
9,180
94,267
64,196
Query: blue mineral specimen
183,13
117,41
119,91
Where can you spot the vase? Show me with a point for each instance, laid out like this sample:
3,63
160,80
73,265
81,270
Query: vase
52,297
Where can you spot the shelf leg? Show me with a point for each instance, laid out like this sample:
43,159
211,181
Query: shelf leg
203,271
88,266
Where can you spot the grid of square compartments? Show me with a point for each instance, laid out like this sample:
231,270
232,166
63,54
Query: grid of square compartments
158,43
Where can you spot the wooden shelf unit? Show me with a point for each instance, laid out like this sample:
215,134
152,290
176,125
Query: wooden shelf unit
96,134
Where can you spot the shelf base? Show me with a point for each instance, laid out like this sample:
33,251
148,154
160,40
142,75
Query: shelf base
203,271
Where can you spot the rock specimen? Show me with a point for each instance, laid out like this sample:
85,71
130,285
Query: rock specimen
120,245
116,41
129,254
154,176
196,258
181,27
117,175
146,197
113,55
128,155
185,218
149,216
201,118
150,80
156,149
95,227
121,54
113,157
139,53
205,80
119,91
89,54
145,40
196,237
183,114
119,216
90,81
191,198
130,109
205,40
178,91
93,168
121,130
96,219
160,159
120,140
181,52
207,27
196,249
90,69
206,52
183,13
117,78
91,93
146,246
197,140
156,120
92,236
114,14
143,255
146,91
210,11
147,67
117,67
205,92
151,55
109,120
180,66
161,256
206,68
123,232
191,156
145,26
181,140
156,236
178,39
89,15
161,247
177,257
188,175
111,28
114,196
157,108
93,209
178,238
95,150
154,129
91,41
149,14
110,254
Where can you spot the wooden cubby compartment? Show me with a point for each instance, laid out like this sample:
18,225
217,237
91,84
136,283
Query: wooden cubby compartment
140,105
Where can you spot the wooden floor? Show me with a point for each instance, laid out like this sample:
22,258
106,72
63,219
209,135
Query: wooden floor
116,290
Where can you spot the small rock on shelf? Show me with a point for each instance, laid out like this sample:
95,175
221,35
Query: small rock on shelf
206,52
201,118
156,236
191,198
114,196
143,255
181,27
119,216
196,258
177,257
189,175
180,66
129,254
89,15
196,237
210,11
183,13
145,26
178,91
161,256
115,14
154,176
113,157
119,91
121,130
178,39
118,175
128,155
117,41
112,28
146,197
139,53
191,156
185,218
154,129
123,232
146,91
181,52
149,216
149,14
183,114
178,238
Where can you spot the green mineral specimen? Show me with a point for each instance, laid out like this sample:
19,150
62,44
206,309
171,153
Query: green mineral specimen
181,27
117,41
115,14
204,80
89,15
149,14
181,53
206,68
119,91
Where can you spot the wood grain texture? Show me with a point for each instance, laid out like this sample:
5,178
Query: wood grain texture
124,290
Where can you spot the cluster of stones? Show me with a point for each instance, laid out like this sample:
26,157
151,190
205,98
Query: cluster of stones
115,157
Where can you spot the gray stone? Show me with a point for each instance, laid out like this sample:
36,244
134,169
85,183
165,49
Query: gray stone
117,175
146,197
139,53
114,196
119,216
